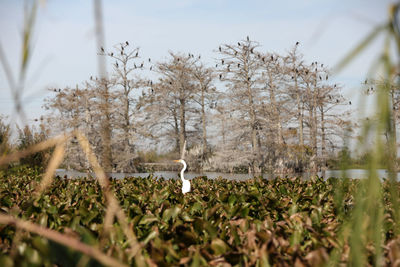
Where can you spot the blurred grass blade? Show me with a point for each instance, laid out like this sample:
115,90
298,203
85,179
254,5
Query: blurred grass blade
27,37
360,47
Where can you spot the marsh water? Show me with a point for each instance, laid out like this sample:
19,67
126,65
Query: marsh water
351,173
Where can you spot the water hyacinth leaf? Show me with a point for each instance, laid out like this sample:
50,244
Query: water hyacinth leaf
148,219
6,261
41,245
218,246
171,213
150,236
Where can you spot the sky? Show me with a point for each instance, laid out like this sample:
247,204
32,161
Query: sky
64,45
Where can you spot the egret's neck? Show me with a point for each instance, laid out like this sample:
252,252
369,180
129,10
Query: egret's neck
183,170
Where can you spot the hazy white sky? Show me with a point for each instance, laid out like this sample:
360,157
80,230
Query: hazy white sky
65,51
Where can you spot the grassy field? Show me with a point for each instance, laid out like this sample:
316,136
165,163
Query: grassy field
280,222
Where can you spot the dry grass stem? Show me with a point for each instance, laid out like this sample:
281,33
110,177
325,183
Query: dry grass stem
61,239
34,149
112,201
55,161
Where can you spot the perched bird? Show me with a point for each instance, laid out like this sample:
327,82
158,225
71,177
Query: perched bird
185,183
112,54
349,102
222,61
151,67
248,39
137,53
126,43
238,44
102,49
220,49
297,43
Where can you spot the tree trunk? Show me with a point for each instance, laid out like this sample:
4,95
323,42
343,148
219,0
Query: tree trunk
323,137
106,130
203,120
182,128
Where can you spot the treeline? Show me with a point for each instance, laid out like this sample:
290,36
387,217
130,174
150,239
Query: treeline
250,110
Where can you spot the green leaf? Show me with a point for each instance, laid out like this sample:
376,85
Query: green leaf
219,246
148,219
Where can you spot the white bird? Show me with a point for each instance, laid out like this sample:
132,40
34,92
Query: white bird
185,183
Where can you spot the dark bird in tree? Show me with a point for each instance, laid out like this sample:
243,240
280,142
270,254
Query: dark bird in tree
326,77
112,54
337,100
272,57
126,43
116,64
238,44
102,49
59,90
134,65
248,78
216,65
149,59
235,53
137,53
220,49
122,52
222,61
306,72
297,43
199,56
151,67
141,65
252,50
248,39
220,76
238,65
320,77
55,90
91,77
349,102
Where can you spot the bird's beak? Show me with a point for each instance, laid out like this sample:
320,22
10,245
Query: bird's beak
175,160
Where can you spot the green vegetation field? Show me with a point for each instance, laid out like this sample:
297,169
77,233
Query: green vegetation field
280,222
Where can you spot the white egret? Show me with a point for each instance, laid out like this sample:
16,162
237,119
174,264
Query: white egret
185,183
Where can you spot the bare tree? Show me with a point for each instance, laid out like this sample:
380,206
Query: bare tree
239,69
